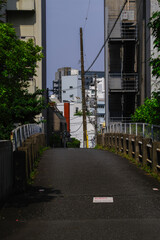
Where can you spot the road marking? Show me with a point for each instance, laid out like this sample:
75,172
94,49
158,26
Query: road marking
155,189
103,200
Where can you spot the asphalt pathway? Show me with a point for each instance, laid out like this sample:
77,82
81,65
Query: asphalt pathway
59,205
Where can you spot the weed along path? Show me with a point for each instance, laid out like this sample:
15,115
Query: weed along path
84,194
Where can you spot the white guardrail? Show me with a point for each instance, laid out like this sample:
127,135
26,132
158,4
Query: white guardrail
139,129
21,133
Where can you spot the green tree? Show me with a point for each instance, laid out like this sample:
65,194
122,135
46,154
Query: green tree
18,63
154,24
149,112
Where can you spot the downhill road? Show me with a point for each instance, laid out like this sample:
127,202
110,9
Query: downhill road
59,205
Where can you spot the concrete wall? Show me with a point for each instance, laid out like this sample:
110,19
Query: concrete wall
6,170
143,150
24,159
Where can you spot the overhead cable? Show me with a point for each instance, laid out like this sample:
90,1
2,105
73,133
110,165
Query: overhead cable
77,129
107,37
87,14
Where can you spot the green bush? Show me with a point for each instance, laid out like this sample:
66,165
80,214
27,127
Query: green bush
75,143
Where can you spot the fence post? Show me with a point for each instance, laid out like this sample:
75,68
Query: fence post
130,128
152,133
136,130
143,130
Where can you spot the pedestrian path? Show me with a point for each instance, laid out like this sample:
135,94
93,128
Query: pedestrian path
84,194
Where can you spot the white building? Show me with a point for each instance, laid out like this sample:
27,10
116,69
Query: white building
57,83
76,124
100,101
71,88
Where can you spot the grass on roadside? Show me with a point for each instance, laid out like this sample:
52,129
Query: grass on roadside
145,168
33,174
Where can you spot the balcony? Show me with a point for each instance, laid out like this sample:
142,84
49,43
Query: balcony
128,30
20,5
127,82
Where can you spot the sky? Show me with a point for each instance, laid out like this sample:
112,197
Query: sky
64,19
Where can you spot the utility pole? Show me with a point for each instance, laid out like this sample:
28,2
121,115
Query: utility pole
83,92
95,84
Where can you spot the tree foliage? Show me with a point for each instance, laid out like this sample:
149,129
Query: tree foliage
18,63
149,112
154,24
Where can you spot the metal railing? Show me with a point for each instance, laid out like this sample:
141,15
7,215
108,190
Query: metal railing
128,30
21,133
129,81
139,129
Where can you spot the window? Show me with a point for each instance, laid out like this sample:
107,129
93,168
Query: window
71,95
70,87
64,91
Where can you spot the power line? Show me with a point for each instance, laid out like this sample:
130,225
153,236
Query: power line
89,3
78,128
107,37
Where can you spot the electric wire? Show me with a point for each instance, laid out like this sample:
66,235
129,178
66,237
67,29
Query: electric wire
89,3
107,37
77,129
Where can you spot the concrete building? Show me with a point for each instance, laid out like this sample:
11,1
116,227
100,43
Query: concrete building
74,74
90,93
76,124
29,20
144,49
71,88
121,77
57,83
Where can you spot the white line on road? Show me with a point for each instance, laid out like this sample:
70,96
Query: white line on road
103,200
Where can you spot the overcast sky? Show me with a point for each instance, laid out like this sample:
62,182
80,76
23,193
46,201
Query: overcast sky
64,19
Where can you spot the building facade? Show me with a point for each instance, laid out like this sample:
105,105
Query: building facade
76,124
29,20
74,74
57,83
71,88
121,74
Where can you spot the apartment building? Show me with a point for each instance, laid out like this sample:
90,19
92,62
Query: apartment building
29,20
57,83
96,102
121,72
68,74
71,88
